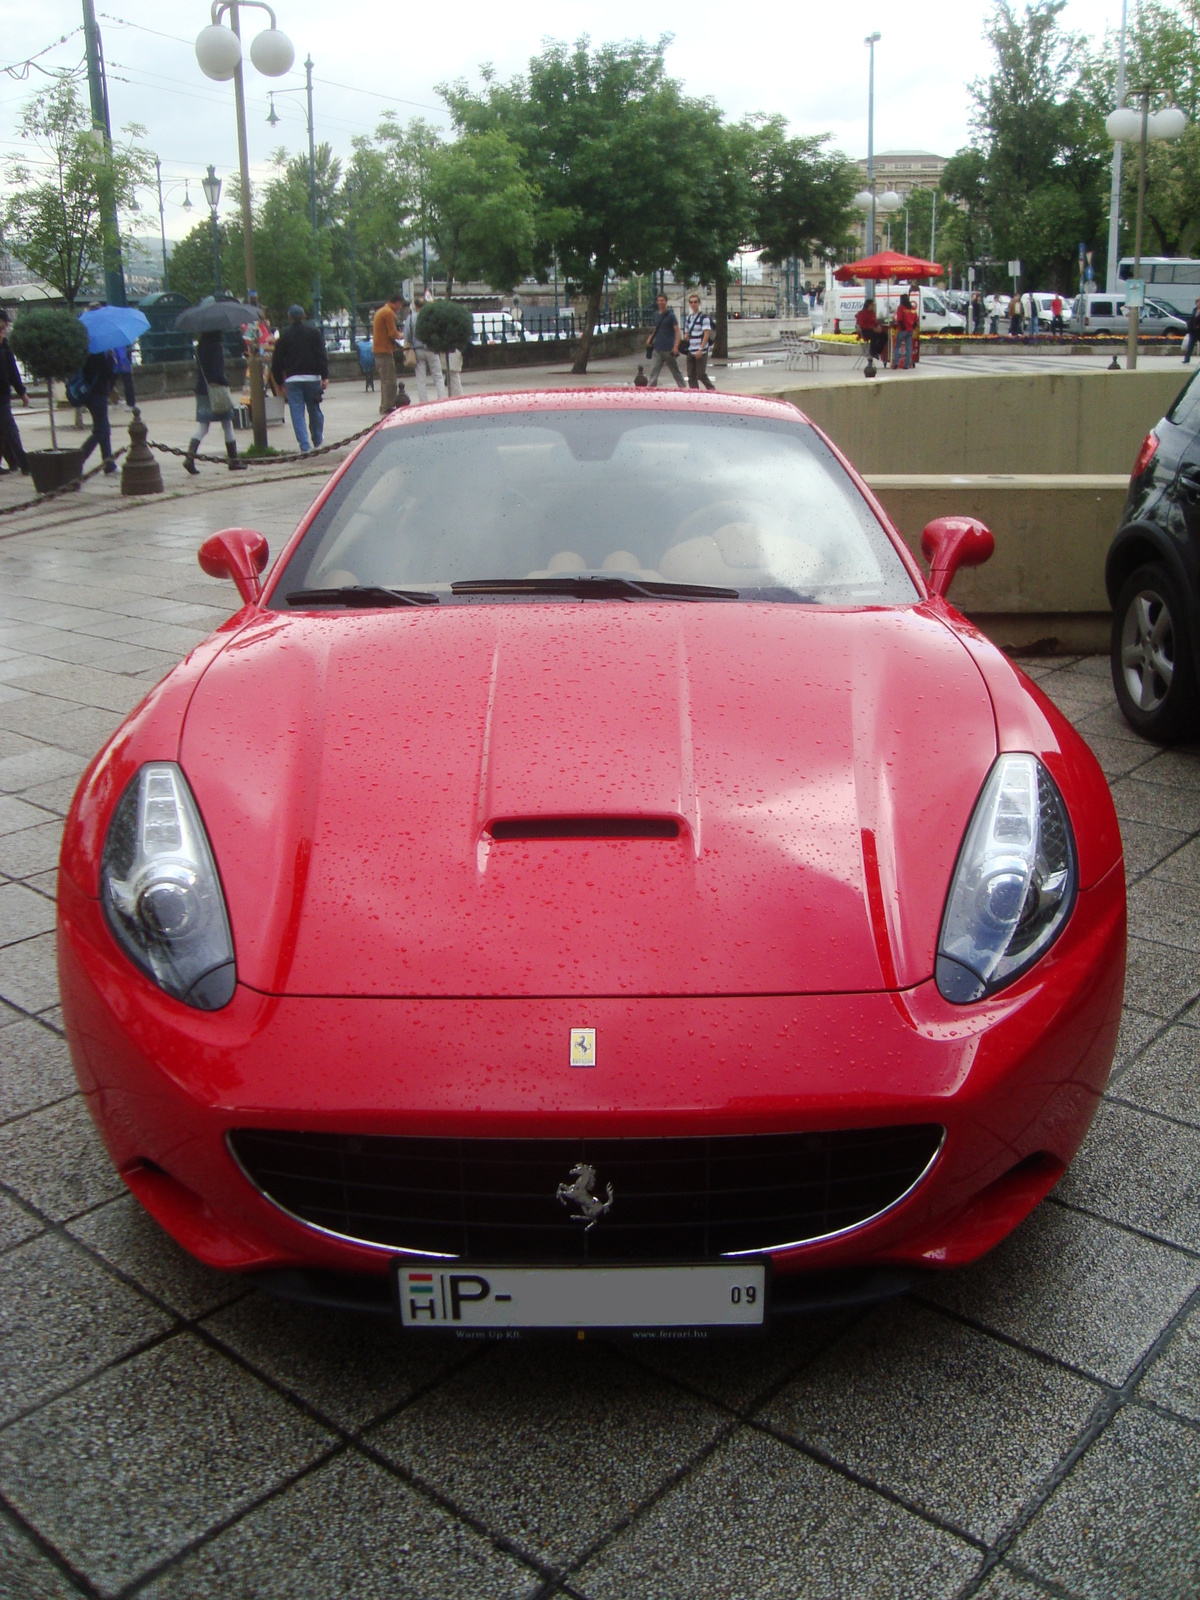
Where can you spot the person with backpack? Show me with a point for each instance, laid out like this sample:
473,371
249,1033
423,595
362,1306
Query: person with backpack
697,330
89,389
213,401
663,344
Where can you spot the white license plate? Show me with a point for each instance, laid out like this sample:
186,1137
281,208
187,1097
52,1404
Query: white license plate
453,1297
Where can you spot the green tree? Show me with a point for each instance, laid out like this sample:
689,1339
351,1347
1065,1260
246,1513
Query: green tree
52,344
192,261
801,194
608,138
373,222
480,210
1040,161
53,219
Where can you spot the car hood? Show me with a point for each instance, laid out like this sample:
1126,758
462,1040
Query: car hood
821,766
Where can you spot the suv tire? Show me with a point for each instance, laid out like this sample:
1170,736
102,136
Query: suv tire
1153,670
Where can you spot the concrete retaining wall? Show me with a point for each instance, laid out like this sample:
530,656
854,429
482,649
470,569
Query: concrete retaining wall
1040,422
1046,579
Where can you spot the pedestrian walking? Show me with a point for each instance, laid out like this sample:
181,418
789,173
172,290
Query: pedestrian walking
386,344
906,322
697,331
301,365
11,447
428,362
1029,312
1057,327
214,403
90,391
978,312
1193,333
663,344
1014,317
123,369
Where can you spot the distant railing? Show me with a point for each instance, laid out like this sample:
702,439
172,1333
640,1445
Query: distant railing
536,323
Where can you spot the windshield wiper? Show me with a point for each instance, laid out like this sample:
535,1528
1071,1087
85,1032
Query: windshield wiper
597,587
361,594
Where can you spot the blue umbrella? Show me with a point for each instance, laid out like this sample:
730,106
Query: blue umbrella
109,327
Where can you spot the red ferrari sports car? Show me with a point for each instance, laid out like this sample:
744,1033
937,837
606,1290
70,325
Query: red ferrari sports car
595,881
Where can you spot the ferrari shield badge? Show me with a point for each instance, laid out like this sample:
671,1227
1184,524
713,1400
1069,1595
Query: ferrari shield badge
583,1047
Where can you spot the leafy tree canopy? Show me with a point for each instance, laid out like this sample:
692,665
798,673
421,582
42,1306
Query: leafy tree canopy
53,217
613,142
480,210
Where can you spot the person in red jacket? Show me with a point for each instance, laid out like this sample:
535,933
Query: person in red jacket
871,329
906,323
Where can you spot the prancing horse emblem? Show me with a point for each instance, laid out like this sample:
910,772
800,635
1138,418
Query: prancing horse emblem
579,1192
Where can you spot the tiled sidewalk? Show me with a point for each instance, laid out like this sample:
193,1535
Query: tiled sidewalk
1027,1428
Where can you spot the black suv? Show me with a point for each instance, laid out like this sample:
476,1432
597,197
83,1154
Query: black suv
1152,575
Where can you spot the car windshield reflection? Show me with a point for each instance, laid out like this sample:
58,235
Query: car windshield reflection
672,503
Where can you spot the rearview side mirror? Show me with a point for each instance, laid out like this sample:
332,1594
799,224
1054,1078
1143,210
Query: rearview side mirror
952,542
237,553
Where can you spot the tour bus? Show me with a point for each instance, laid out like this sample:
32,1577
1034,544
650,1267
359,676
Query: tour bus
844,301
1171,280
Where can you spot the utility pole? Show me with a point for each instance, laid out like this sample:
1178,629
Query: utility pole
871,41
1114,196
114,272
312,190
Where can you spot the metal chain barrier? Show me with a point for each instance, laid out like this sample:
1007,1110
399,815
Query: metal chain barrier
280,456
66,488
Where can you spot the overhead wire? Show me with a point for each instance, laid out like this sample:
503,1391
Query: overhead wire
20,70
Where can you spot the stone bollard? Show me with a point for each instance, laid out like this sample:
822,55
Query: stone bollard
140,472
641,381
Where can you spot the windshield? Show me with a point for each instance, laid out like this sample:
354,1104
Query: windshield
759,507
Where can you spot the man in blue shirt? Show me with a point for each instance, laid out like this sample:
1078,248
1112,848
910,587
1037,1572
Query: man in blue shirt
664,344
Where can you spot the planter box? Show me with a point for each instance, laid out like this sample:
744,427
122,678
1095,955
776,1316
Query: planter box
51,469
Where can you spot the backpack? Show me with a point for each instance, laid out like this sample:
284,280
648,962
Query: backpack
79,390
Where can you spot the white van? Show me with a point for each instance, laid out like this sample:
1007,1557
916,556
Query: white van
845,301
1105,313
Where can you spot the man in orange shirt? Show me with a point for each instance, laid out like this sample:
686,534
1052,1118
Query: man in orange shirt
385,341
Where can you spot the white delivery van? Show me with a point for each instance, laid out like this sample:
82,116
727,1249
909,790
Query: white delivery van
845,300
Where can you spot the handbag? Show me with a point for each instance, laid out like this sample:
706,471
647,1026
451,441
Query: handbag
220,401
410,358
79,390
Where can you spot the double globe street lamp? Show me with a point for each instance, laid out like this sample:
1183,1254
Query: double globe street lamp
219,53
1123,126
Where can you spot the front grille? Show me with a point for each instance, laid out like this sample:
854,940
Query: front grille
673,1199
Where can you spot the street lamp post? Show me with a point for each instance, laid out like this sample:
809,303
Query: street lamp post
162,220
211,185
1114,197
1125,124
871,41
219,53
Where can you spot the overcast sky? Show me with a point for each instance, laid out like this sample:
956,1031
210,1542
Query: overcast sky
805,61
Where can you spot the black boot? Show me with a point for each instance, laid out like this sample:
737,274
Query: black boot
189,460
231,451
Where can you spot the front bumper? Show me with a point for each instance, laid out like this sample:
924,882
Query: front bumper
1014,1082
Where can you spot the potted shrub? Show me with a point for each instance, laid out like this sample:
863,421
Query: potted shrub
447,327
52,344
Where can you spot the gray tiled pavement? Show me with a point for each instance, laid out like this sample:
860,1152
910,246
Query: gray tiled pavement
1029,1427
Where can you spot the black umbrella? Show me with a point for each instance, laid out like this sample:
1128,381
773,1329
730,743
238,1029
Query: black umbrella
216,316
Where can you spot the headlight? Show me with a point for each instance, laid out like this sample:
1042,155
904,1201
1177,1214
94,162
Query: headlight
160,890
1014,882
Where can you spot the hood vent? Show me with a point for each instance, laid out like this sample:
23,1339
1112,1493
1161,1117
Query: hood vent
507,828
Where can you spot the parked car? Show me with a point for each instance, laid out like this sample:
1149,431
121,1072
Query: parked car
1106,313
595,880
1152,575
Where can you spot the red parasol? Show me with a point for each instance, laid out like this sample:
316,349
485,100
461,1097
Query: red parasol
887,265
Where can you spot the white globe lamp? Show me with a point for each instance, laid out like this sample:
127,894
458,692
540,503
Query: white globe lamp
1166,124
1123,125
889,200
218,50
272,53
863,200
